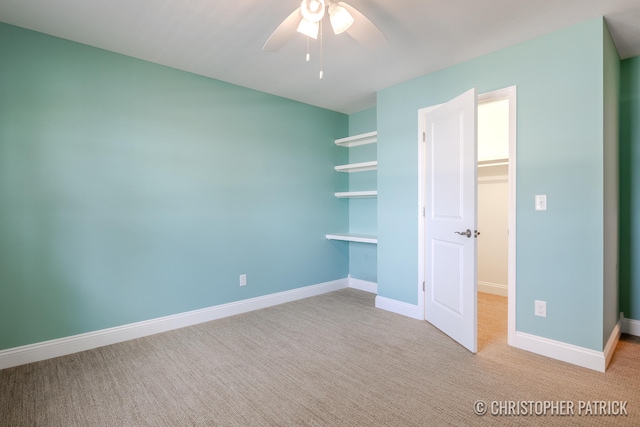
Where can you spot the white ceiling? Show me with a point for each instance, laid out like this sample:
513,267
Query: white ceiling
223,39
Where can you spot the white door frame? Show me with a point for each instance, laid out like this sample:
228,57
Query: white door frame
506,93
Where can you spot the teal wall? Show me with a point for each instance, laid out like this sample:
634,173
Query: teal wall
611,117
363,212
630,188
130,191
559,79
362,122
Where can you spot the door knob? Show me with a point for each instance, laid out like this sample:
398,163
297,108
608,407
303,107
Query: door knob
464,233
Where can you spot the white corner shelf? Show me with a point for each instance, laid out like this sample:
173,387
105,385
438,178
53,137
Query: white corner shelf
362,139
358,167
356,194
351,237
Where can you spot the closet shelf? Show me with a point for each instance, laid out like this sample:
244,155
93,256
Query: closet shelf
354,141
351,237
356,194
358,167
493,162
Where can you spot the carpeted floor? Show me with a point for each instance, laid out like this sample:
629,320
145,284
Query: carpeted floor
331,360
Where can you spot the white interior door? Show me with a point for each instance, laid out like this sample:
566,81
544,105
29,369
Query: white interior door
450,218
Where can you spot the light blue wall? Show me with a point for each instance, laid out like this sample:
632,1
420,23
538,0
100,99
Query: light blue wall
559,79
630,188
130,191
363,212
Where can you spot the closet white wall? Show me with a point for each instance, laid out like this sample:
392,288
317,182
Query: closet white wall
493,196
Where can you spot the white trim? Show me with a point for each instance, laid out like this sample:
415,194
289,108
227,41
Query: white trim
511,93
612,342
363,285
73,344
576,355
493,288
399,307
569,353
630,326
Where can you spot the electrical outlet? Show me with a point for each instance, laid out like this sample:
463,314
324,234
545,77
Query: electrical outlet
243,280
541,308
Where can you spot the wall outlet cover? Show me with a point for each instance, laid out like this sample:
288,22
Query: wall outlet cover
540,308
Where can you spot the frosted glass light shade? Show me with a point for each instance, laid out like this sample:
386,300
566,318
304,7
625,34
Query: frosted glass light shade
340,18
312,10
308,28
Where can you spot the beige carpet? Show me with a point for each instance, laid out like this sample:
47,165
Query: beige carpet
331,360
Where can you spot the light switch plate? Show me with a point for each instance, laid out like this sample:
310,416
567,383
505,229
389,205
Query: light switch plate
541,202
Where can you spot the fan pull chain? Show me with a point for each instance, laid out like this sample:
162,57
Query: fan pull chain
308,54
321,73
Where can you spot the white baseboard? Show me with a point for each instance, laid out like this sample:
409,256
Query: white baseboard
612,342
73,344
630,326
585,357
399,307
363,285
492,288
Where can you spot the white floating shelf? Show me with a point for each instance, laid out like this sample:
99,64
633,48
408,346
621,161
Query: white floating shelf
350,237
362,139
357,194
358,167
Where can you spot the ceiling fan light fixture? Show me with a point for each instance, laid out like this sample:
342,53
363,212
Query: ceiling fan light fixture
312,10
340,18
308,28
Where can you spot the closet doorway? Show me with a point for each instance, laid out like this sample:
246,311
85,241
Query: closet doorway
495,176
493,219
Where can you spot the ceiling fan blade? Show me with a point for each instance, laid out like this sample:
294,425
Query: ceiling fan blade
363,30
283,33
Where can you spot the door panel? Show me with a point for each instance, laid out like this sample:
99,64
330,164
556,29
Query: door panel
446,168
447,287
450,210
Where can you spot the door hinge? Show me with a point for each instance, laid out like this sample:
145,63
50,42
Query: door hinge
424,137
423,211
423,287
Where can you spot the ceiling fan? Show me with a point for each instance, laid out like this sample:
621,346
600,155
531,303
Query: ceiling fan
307,20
